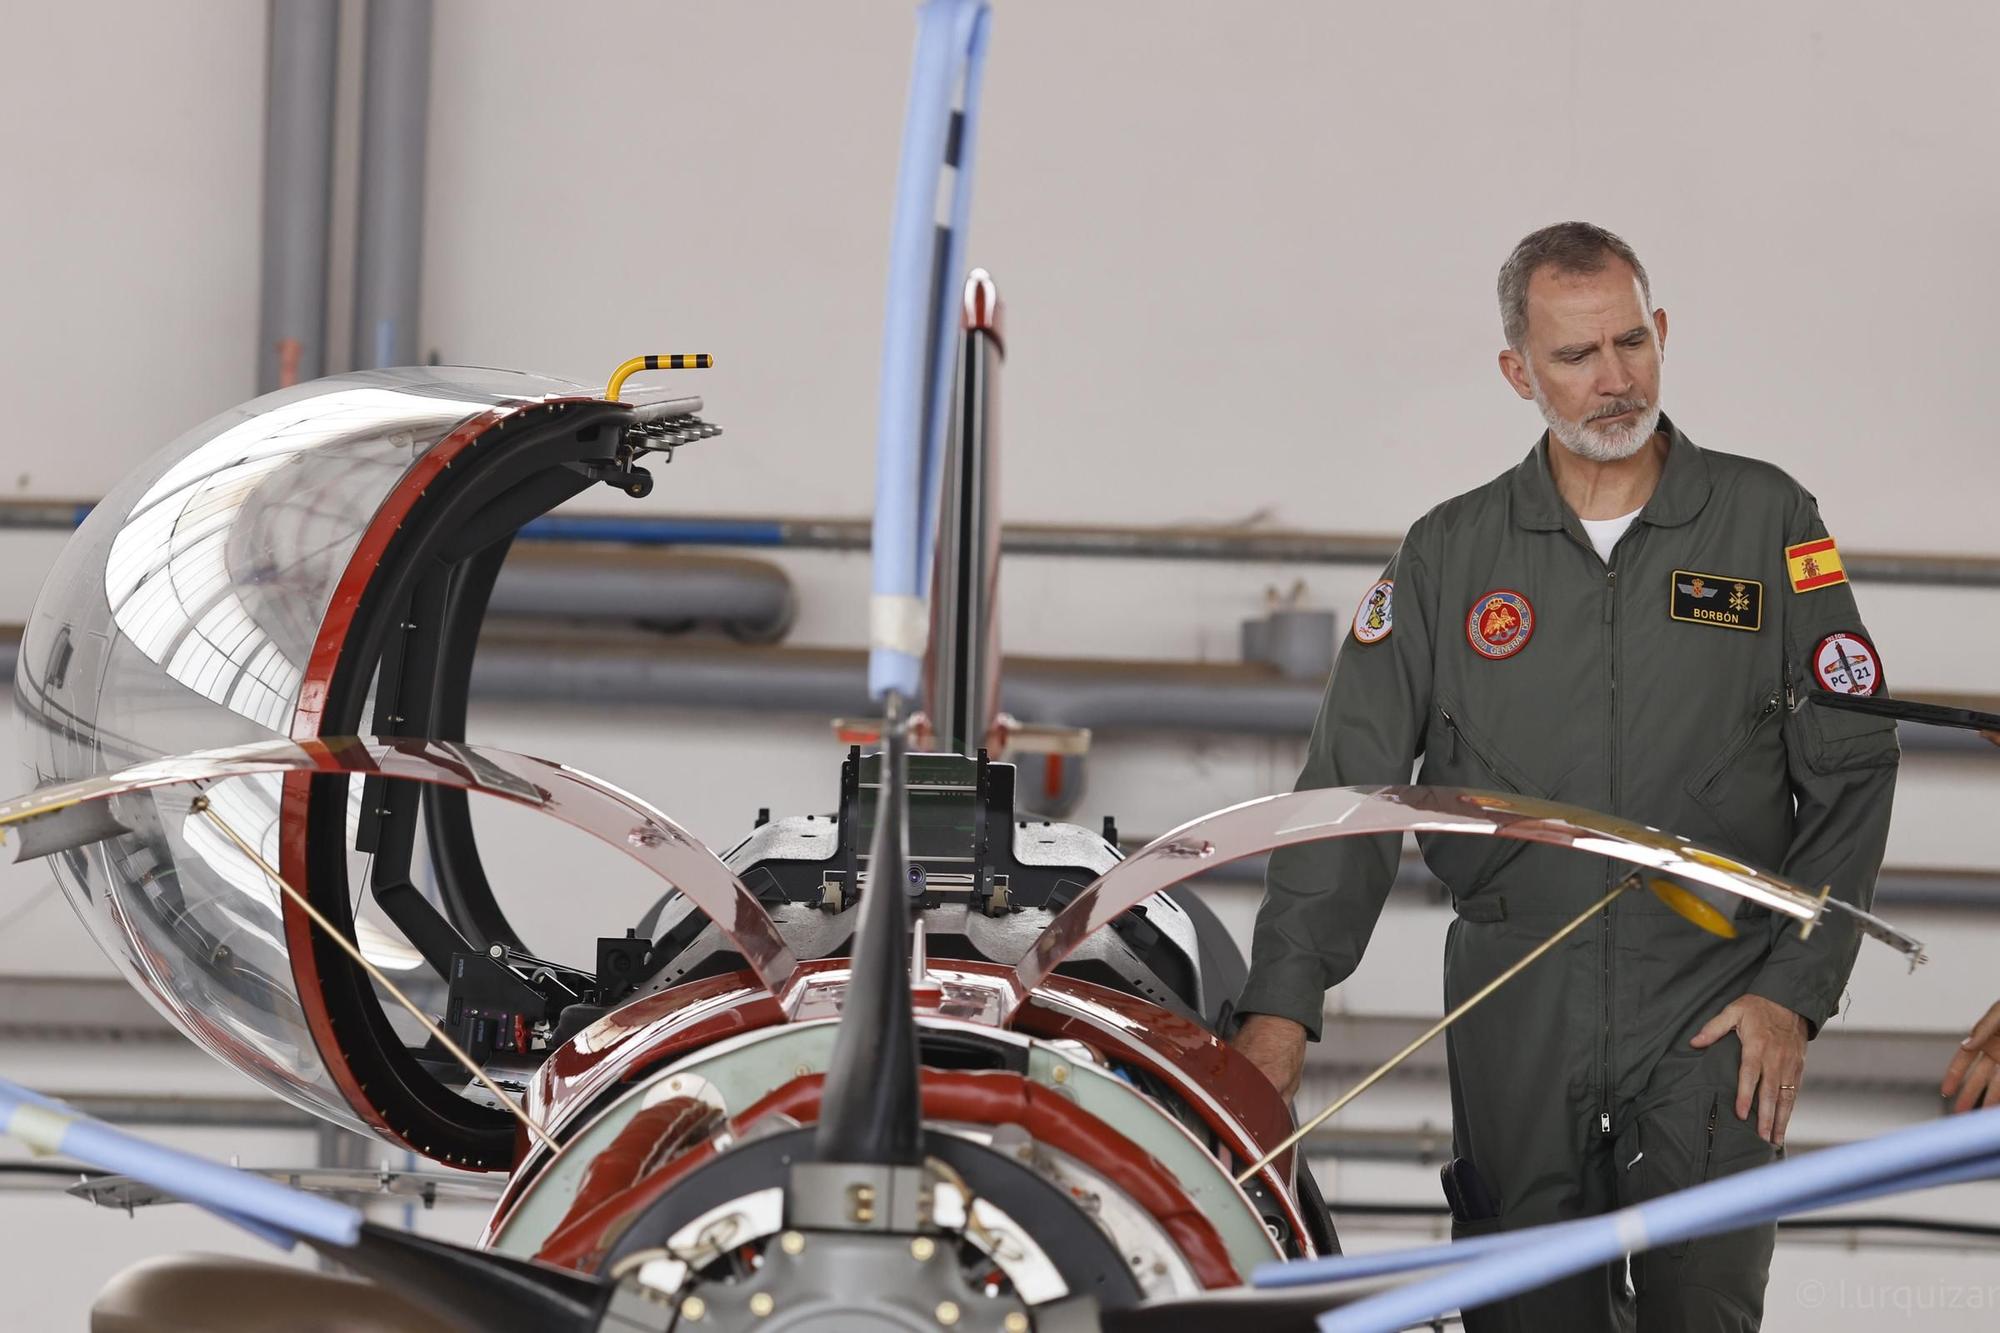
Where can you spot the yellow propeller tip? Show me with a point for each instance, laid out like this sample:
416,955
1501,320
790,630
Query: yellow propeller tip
1692,907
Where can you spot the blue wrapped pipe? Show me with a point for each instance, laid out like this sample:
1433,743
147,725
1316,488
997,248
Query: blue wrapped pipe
1325,1271
30,1097
1923,1156
274,1212
1382,1263
925,258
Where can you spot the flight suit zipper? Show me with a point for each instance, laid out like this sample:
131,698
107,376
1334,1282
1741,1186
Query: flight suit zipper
1708,1153
1611,869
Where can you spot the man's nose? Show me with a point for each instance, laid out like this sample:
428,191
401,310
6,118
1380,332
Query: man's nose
1614,378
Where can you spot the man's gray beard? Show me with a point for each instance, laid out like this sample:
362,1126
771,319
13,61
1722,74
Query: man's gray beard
1598,443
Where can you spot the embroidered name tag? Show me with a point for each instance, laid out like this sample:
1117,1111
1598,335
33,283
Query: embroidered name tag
1716,599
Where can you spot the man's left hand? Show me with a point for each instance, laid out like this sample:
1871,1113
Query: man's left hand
1774,1059
1974,1072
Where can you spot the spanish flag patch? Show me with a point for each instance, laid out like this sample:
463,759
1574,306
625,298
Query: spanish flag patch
1814,564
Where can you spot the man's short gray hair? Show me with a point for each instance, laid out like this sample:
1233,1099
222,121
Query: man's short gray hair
1567,247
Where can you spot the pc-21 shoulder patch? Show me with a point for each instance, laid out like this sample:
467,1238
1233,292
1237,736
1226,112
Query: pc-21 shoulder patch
1716,599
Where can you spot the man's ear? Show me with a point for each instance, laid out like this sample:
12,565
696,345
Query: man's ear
1660,329
1514,369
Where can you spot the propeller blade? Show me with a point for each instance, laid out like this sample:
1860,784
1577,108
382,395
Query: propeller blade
478,1290
872,1110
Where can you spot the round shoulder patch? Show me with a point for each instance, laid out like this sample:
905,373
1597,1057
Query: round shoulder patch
1500,624
1846,663
1376,615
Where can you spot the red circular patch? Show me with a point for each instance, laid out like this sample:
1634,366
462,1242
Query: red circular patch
1846,663
1500,624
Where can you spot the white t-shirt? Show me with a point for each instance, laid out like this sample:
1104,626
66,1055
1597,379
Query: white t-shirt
1605,532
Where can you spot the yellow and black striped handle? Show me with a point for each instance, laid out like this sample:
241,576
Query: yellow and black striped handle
678,361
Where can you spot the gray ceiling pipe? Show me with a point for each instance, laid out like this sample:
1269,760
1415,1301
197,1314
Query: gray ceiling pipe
395,128
827,682
833,682
1165,696
749,600
298,190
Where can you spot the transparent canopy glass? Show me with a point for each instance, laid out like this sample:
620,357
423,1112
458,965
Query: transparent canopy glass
184,615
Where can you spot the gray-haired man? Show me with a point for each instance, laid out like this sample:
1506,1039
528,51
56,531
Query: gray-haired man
1625,622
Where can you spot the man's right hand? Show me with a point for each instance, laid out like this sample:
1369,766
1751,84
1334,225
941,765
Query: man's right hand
1277,1046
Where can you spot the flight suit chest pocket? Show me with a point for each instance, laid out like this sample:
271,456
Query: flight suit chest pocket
1458,754
1702,786
1740,789
1471,759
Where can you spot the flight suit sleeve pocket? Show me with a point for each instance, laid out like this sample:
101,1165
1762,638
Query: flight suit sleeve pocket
1836,740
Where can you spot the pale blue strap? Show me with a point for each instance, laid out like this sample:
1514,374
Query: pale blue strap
272,1211
926,254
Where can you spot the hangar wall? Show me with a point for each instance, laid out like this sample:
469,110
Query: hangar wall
1248,256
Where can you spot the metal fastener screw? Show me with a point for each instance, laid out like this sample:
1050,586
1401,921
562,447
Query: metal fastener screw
922,1248
693,1308
1015,1322
761,1304
1060,1074
792,1243
947,1313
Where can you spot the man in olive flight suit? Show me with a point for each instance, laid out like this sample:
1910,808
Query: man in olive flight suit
1630,623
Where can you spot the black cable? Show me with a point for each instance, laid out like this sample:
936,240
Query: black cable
61,1170
1862,1222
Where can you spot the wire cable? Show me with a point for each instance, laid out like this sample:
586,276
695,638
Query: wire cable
201,806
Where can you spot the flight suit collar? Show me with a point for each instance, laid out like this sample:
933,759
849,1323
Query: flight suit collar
1683,490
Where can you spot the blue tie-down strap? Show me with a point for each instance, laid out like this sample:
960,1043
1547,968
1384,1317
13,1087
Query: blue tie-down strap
1490,1268
926,252
274,1212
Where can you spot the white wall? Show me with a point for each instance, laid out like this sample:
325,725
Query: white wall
1248,254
